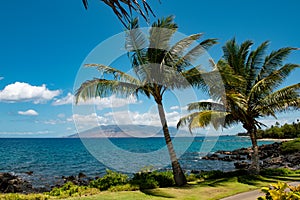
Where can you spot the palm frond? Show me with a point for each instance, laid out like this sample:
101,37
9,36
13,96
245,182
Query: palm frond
269,83
273,61
117,74
161,33
118,7
194,53
205,118
254,63
104,88
206,105
280,100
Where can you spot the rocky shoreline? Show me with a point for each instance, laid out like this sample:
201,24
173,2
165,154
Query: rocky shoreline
10,183
270,156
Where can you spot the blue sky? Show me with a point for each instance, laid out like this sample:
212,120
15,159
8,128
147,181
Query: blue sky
44,43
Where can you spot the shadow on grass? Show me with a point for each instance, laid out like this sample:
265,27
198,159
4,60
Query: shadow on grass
157,193
286,178
216,182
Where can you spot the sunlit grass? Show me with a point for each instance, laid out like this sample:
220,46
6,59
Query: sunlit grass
210,189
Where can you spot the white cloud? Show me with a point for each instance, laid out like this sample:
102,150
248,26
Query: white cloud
24,92
61,115
1,78
101,103
28,113
91,120
84,122
65,100
149,118
174,108
25,133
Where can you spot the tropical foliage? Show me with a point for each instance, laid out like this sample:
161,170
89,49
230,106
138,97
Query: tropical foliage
281,191
124,15
291,146
158,67
251,81
284,131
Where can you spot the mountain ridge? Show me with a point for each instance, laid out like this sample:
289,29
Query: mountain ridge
115,131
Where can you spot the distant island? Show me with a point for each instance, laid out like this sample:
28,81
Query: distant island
286,131
114,131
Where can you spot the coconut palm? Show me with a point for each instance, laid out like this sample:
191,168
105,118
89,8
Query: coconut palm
158,67
118,7
255,92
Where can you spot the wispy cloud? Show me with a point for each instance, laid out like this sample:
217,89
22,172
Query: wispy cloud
101,103
174,108
24,92
64,101
1,78
25,133
28,113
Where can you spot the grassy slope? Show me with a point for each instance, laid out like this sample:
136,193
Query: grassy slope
209,189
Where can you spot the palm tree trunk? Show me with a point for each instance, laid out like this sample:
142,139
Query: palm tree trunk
254,168
179,176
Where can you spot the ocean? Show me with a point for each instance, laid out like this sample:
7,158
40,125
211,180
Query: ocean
50,159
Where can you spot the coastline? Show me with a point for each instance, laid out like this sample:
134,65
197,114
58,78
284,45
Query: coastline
270,139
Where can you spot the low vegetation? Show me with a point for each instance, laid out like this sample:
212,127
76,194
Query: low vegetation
160,185
281,191
291,146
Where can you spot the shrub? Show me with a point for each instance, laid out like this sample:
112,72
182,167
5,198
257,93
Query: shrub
126,187
144,180
291,146
164,179
279,191
151,180
212,174
110,179
276,172
71,190
15,196
192,177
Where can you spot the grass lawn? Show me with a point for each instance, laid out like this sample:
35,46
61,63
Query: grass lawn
202,190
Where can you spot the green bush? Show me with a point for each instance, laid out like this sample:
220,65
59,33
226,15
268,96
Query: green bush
276,172
150,180
110,179
164,179
279,192
144,180
212,174
192,177
14,196
291,146
71,190
126,187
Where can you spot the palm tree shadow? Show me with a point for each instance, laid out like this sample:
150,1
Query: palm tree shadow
157,193
254,180
214,182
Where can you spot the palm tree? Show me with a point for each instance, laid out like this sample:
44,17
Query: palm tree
118,7
254,93
158,67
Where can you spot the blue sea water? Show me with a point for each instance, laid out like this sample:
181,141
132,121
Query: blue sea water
49,159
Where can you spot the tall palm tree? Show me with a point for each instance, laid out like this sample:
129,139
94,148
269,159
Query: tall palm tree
158,67
254,93
118,7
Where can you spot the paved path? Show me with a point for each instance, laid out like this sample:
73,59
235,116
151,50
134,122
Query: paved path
251,195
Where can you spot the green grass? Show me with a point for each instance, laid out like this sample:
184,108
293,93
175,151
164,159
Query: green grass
210,189
291,146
